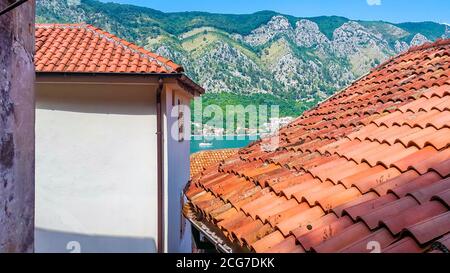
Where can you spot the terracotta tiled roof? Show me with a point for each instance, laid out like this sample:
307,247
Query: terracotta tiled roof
366,169
201,160
84,48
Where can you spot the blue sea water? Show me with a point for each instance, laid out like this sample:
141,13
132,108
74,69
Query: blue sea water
236,142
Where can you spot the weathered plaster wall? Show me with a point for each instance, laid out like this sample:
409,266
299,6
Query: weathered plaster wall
17,128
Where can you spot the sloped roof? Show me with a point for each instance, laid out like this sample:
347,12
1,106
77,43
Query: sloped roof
368,167
201,160
82,48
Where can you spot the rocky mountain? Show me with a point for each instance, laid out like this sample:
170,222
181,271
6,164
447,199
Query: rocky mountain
265,52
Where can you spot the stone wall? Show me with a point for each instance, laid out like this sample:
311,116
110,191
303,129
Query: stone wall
17,128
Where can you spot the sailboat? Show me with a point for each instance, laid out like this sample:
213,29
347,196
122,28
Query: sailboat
205,144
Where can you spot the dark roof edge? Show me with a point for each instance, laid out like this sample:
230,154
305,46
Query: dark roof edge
210,231
191,86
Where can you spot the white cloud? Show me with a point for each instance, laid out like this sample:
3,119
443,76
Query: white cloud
374,2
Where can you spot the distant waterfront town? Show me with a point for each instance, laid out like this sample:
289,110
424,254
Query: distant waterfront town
272,126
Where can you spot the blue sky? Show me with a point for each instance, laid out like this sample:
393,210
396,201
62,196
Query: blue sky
388,10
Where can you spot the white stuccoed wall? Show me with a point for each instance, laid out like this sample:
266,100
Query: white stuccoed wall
177,173
96,163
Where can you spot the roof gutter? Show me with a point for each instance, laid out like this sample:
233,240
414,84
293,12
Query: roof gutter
211,232
160,166
211,236
191,86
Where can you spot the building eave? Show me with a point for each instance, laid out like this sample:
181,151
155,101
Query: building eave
189,85
211,232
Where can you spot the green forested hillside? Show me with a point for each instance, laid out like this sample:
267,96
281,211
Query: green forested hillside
266,56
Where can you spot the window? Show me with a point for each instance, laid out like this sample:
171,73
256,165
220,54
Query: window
180,120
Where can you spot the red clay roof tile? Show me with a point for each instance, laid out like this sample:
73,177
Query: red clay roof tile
247,234
415,214
431,228
382,237
372,172
443,197
368,183
341,239
322,232
366,207
87,49
271,213
290,223
277,217
442,168
267,242
301,195
306,228
425,165
288,188
404,163
288,245
417,183
332,202
373,218
424,194
371,163
402,179
201,160
356,201
259,211
315,197
406,245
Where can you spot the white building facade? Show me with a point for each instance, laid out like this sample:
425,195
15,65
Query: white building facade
109,171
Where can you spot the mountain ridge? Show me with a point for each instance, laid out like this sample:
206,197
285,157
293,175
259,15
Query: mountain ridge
303,59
